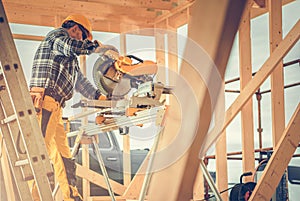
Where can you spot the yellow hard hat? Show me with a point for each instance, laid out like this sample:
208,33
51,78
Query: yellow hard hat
83,21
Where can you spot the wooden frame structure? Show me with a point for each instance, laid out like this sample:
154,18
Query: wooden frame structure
113,16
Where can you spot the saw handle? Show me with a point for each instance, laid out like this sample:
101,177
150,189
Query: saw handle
136,58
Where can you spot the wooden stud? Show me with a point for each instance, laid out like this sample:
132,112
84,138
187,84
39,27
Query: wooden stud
172,54
84,147
134,188
126,138
283,47
160,56
221,166
245,77
98,179
277,82
279,160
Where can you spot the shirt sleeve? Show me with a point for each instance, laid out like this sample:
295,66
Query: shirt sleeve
84,87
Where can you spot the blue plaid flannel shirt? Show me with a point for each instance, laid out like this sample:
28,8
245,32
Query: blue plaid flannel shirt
55,65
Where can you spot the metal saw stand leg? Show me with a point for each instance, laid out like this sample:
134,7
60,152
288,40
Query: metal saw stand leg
100,160
103,169
149,172
210,181
24,142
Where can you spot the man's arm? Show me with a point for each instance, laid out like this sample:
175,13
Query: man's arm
84,87
68,46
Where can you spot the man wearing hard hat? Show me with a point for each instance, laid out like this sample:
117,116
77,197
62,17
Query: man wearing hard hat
55,75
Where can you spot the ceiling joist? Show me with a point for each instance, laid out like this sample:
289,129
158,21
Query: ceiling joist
137,4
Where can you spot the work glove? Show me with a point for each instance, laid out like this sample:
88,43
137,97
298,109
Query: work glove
102,97
92,46
99,96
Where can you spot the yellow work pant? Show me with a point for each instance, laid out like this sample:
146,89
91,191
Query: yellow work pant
57,146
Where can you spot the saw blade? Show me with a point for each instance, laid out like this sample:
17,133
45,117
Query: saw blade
107,86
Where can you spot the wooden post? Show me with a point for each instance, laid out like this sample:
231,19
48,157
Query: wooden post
85,147
221,166
58,22
246,76
126,138
172,54
277,82
160,55
212,26
279,160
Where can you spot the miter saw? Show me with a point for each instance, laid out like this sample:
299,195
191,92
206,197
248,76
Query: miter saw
116,75
128,83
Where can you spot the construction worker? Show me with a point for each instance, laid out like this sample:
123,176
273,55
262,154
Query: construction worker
55,75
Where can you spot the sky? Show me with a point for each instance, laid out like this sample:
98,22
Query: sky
144,46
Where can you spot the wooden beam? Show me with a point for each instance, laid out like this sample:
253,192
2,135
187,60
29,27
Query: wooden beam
105,198
221,166
84,147
283,47
246,76
136,4
160,51
213,25
172,55
67,7
134,188
173,12
259,3
179,18
279,160
28,37
255,11
126,138
98,179
277,82
42,15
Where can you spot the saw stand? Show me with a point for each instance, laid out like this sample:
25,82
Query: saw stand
83,133
23,155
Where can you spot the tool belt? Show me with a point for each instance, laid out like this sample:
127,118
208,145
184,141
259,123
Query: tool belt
61,100
37,96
